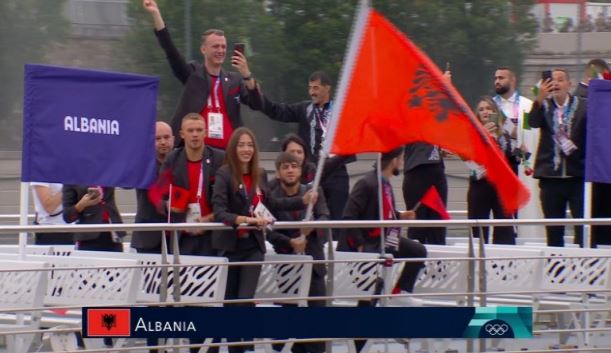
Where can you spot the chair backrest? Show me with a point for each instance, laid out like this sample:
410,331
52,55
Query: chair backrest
513,273
287,280
356,277
22,289
443,276
584,272
108,285
204,280
58,250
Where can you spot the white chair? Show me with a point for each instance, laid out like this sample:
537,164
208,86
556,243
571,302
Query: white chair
21,289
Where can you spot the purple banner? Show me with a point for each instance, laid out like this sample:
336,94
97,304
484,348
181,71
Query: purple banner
88,127
598,143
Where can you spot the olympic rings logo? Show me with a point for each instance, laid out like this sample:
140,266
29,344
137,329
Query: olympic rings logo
496,329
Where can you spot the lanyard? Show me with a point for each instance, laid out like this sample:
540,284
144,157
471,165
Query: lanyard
388,199
199,182
516,105
215,95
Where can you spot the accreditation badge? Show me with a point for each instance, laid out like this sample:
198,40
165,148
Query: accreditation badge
215,125
194,212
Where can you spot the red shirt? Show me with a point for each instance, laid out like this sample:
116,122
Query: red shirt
195,171
217,107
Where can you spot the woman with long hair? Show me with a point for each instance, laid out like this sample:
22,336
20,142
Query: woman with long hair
240,188
482,198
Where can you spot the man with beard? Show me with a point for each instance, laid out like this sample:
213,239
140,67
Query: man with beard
150,241
313,122
560,160
290,241
524,140
363,205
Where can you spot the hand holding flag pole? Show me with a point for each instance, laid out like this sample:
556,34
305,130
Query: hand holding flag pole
432,200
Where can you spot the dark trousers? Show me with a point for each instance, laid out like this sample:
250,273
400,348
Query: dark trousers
241,283
481,199
416,182
102,243
318,288
601,208
555,194
409,248
200,245
54,239
336,188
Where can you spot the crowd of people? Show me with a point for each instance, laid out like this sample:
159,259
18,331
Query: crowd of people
209,171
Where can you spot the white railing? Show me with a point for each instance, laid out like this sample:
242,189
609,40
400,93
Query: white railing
472,259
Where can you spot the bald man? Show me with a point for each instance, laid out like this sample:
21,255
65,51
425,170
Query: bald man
150,241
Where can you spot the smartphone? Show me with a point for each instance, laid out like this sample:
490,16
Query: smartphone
494,117
241,47
93,192
545,75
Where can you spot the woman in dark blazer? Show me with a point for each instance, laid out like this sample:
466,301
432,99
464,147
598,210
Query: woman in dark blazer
239,187
93,205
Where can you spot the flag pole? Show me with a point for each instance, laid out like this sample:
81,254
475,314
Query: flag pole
163,290
23,217
380,204
354,45
586,242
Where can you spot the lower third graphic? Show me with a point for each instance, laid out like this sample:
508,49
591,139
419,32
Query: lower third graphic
500,322
108,322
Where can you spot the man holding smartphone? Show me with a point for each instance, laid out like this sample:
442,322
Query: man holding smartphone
209,90
93,205
559,165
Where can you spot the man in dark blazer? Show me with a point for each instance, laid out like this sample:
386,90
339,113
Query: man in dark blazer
150,241
290,241
93,205
312,118
363,205
209,90
560,161
190,171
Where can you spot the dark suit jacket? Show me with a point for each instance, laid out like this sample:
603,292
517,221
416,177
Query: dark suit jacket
281,239
197,87
71,194
542,118
229,203
175,171
302,114
147,213
362,205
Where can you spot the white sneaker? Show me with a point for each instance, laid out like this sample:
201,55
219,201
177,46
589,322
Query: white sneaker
405,299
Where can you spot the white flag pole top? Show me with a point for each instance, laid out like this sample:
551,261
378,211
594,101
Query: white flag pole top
354,45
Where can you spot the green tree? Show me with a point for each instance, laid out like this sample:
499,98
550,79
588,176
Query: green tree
289,39
27,27
475,37
242,20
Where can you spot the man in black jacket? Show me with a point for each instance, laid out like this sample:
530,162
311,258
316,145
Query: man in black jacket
209,90
313,122
150,241
559,165
190,171
290,241
363,205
